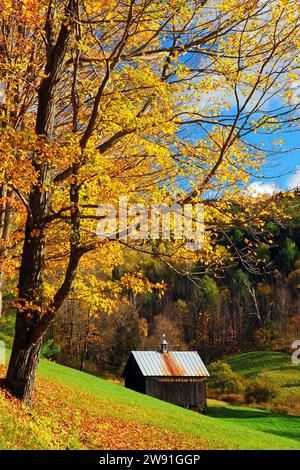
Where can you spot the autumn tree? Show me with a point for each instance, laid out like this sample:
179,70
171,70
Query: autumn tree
153,100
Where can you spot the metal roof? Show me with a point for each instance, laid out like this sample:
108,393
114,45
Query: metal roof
172,364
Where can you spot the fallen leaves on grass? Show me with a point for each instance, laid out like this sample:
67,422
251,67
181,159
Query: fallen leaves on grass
55,421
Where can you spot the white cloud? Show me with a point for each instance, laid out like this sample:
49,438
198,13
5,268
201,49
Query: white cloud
294,180
259,187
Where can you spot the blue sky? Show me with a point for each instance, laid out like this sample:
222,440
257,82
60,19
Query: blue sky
283,169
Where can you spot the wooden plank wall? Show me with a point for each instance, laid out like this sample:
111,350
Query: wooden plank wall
186,392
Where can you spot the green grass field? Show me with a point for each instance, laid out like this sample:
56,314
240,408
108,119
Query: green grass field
261,420
75,410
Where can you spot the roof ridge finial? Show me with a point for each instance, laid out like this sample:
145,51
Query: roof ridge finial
164,344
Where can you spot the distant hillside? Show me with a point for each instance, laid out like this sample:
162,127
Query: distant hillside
275,367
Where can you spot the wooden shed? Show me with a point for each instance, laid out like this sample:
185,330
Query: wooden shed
178,377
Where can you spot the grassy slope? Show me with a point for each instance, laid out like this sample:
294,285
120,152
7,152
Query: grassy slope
77,410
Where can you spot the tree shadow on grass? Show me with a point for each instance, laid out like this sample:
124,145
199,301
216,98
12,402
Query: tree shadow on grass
224,412
277,424
252,363
285,433
292,385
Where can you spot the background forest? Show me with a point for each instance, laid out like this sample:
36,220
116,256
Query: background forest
251,304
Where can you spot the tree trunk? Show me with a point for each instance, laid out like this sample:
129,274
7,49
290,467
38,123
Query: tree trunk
6,217
28,329
85,344
33,317
83,356
22,370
